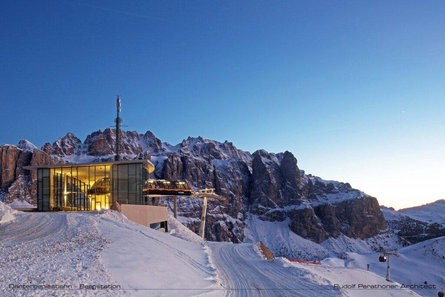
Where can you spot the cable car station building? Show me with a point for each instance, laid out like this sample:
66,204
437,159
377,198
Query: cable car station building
97,186
91,186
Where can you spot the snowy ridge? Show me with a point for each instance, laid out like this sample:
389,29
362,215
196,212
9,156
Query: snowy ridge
430,213
335,191
26,146
179,230
284,243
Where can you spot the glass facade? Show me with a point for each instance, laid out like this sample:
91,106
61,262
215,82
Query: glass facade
89,187
127,181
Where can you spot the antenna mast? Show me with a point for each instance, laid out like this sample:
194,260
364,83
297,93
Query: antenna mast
118,121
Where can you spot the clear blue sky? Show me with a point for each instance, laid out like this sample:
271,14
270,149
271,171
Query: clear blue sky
355,89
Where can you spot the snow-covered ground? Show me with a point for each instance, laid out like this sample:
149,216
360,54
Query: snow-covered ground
354,282
283,242
146,261
430,213
416,264
21,204
53,249
245,273
73,248
70,249
7,214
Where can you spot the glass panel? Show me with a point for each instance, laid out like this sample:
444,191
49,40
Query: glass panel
99,187
39,190
45,189
122,182
89,187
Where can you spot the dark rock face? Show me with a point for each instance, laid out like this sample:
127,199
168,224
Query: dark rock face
329,220
8,163
270,186
21,189
305,223
64,146
363,217
265,186
290,178
17,182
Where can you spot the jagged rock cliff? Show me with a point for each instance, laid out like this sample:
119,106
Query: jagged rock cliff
15,182
267,185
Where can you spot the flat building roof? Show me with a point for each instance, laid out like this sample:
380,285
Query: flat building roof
146,163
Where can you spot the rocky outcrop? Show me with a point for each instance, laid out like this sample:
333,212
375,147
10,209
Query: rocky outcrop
414,230
15,181
305,223
8,164
64,146
316,209
361,217
21,189
270,186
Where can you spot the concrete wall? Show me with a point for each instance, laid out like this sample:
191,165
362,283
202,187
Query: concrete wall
145,214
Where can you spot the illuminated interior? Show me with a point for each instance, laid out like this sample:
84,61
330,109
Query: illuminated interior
90,187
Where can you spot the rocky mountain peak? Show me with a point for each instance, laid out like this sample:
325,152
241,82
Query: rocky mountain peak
26,145
267,185
151,143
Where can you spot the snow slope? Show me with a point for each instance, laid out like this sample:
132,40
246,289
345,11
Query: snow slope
7,214
54,249
74,248
244,273
283,242
424,261
21,204
69,249
148,262
430,213
179,230
346,278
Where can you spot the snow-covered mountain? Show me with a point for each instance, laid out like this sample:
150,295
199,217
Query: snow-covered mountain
431,213
267,186
417,223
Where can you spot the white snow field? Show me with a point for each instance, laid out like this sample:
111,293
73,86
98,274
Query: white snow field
74,248
112,256
245,273
430,213
283,242
350,280
7,214
416,264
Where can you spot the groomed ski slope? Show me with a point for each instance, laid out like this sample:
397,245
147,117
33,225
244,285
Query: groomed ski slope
74,248
244,273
